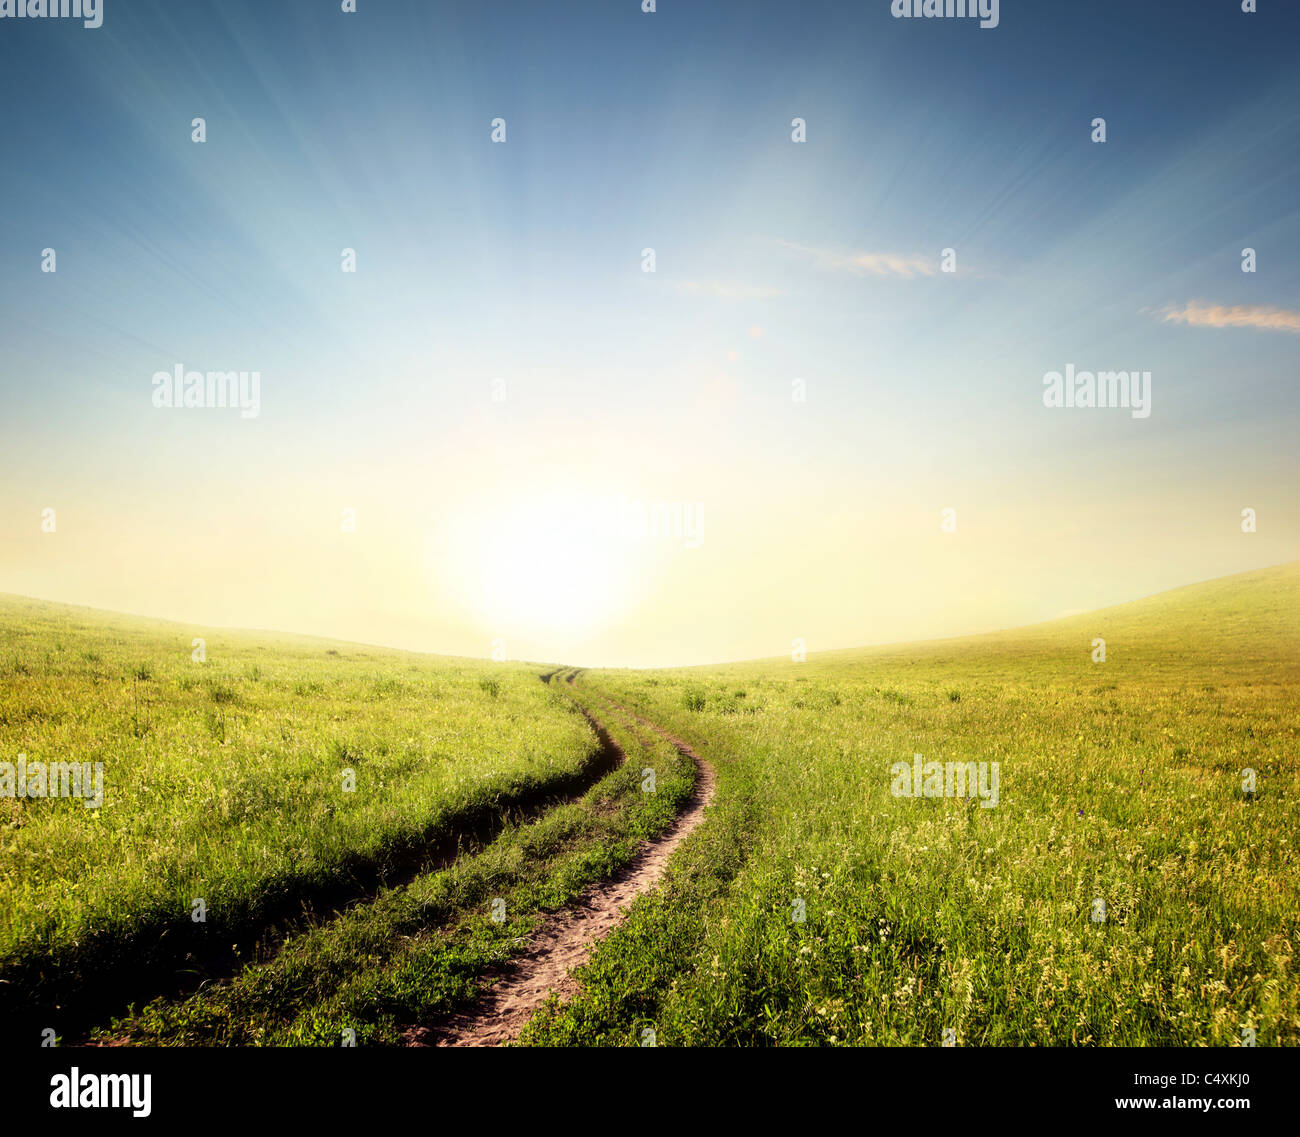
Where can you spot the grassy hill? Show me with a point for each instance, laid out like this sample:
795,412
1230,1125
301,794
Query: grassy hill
1121,797
226,779
1124,886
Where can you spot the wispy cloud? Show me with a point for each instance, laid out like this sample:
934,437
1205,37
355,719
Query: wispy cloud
1198,313
869,264
729,290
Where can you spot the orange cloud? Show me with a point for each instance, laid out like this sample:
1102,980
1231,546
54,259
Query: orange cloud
1199,314
870,264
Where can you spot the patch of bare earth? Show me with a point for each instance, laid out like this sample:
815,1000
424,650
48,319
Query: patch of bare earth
565,939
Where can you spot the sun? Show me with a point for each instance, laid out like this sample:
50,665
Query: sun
546,564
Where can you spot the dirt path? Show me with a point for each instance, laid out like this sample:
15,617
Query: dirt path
565,940
213,963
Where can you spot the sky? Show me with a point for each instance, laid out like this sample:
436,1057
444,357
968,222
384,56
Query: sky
501,433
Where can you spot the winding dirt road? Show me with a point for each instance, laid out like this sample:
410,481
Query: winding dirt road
566,938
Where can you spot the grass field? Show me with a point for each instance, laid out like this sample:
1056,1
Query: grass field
1119,781
1124,889
224,780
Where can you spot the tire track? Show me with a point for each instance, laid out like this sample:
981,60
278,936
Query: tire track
565,940
197,964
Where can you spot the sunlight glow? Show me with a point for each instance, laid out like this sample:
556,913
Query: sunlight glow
550,564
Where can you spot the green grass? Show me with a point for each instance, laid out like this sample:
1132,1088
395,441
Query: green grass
1119,781
421,950
224,780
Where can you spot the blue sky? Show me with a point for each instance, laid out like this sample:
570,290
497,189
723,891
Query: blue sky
627,130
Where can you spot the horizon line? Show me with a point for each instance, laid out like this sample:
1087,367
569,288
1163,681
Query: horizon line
662,667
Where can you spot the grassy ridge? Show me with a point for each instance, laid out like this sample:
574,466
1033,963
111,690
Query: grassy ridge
1120,781
224,779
